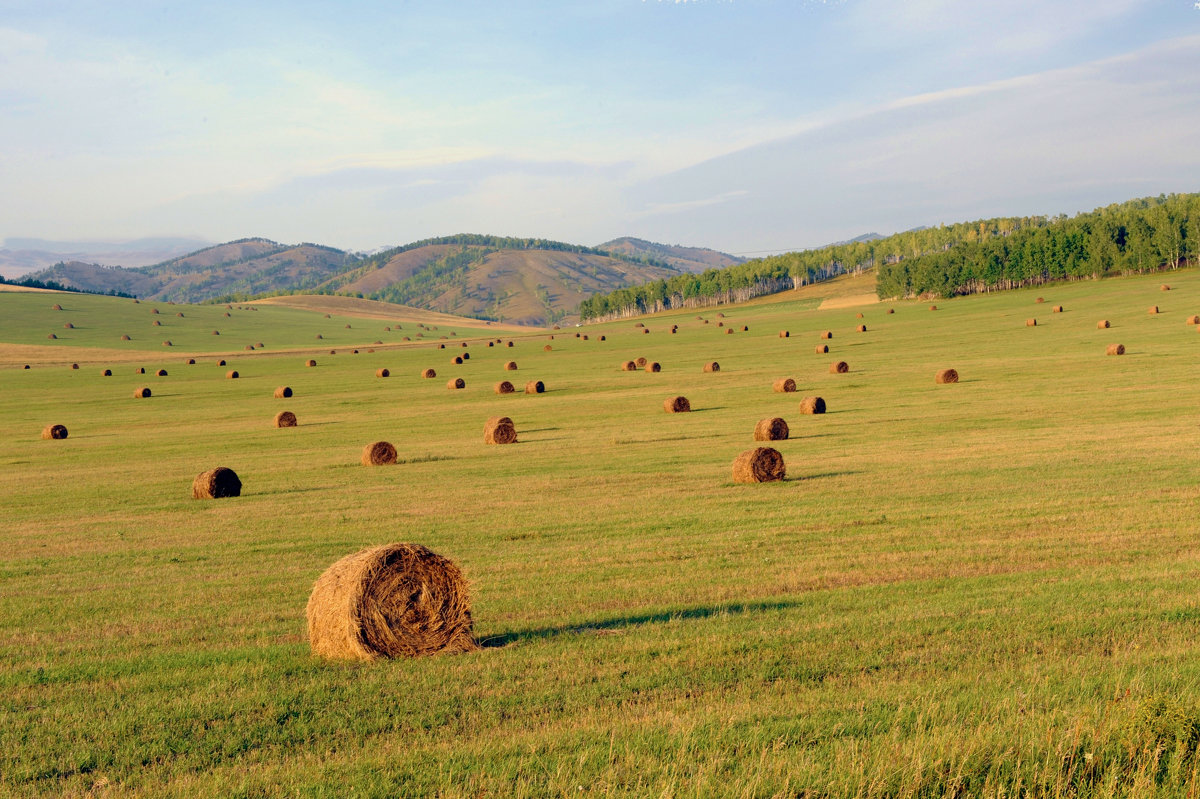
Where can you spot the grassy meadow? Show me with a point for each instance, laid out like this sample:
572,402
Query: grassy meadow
985,588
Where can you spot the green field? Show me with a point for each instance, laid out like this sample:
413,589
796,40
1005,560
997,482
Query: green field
986,588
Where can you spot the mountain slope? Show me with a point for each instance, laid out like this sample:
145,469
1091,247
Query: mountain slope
688,259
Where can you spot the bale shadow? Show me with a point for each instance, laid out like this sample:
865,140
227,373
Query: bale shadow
612,625
710,408
542,429
823,475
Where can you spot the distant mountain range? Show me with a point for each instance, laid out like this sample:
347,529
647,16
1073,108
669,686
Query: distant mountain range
22,255
524,281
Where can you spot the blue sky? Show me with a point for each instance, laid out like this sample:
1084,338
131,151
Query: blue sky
743,125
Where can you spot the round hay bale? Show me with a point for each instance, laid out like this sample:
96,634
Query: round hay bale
585,338
161,373
1164,287
180,313
398,600
509,344
1103,324
491,343
319,337
828,334
283,392
167,344
227,314
535,387
1193,320
639,324
142,392
154,310
629,366
1057,309
604,338
499,430
712,366
933,307
55,431
106,373
1040,299
720,324
784,385
466,356
157,323
861,328
946,376
221,362
441,346
784,334
504,387
285,419
839,368
259,344
654,366
1153,309
759,465
775,429
677,405
26,366
191,361
125,337
216,332
457,360
456,383
378,342
641,362
510,366
347,327
68,326
333,352
51,336
216,483
812,405
1115,349
382,373
1030,323
380,453
646,330
56,307
729,331
310,362
720,314
141,370
328,316
822,349
232,374
547,348
428,373
745,328
858,316
76,366
891,310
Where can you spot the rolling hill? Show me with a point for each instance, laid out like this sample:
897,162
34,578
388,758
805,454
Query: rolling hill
689,259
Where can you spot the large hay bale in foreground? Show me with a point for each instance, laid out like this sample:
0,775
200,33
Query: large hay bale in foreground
839,368
216,483
759,465
654,366
774,429
283,392
54,431
499,430
397,600
946,376
504,387
427,373
381,372
812,405
285,419
1115,349
510,366
535,387
1103,324
142,392
712,366
677,405
784,385
379,453
456,383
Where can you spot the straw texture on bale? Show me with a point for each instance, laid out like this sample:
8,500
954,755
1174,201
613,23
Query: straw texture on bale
1115,349
677,405
946,376
712,366
775,429
839,368
382,373
535,387
142,392
428,373
285,419
1030,323
1102,324
499,430
654,366
379,453
232,374
55,431
822,349
398,600
641,362
510,366
758,465
283,392
456,382
812,405
784,384
504,387
216,483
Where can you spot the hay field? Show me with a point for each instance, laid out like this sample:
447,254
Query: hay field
987,587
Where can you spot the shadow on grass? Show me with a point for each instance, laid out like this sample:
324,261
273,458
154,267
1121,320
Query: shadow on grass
612,625
708,408
821,476
625,441
541,429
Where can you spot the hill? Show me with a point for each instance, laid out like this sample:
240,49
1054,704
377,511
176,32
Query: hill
688,259
22,255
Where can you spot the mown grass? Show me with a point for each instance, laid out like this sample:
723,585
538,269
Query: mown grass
978,589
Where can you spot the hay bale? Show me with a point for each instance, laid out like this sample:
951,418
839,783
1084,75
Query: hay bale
891,310
861,328
456,360
1057,309
382,373
125,337
822,349
646,330
154,310
758,465
775,429
585,338
250,346
167,344
491,343
1153,309
56,307
456,383
629,366
1040,299
232,374
641,362
1030,323
1115,349
106,373
499,430
504,387
720,324
319,337
654,366
427,373
677,405
347,327
141,370
828,334
839,368
712,366
535,387
745,329
380,453
310,362
68,326
76,366
26,366
216,332
946,376
604,338
157,323
1164,287
398,600
720,314
285,419
510,366
812,405
729,331
933,307
1193,320
283,392
784,384
52,337
509,344
55,431
466,356
216,483
161,373
858,316
547,348
221,362
1103,324
639,324
142,392
784,334
180,313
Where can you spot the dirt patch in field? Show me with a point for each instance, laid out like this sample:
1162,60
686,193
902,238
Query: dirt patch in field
851,301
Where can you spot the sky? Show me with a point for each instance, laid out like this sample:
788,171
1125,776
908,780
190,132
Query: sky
748,126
